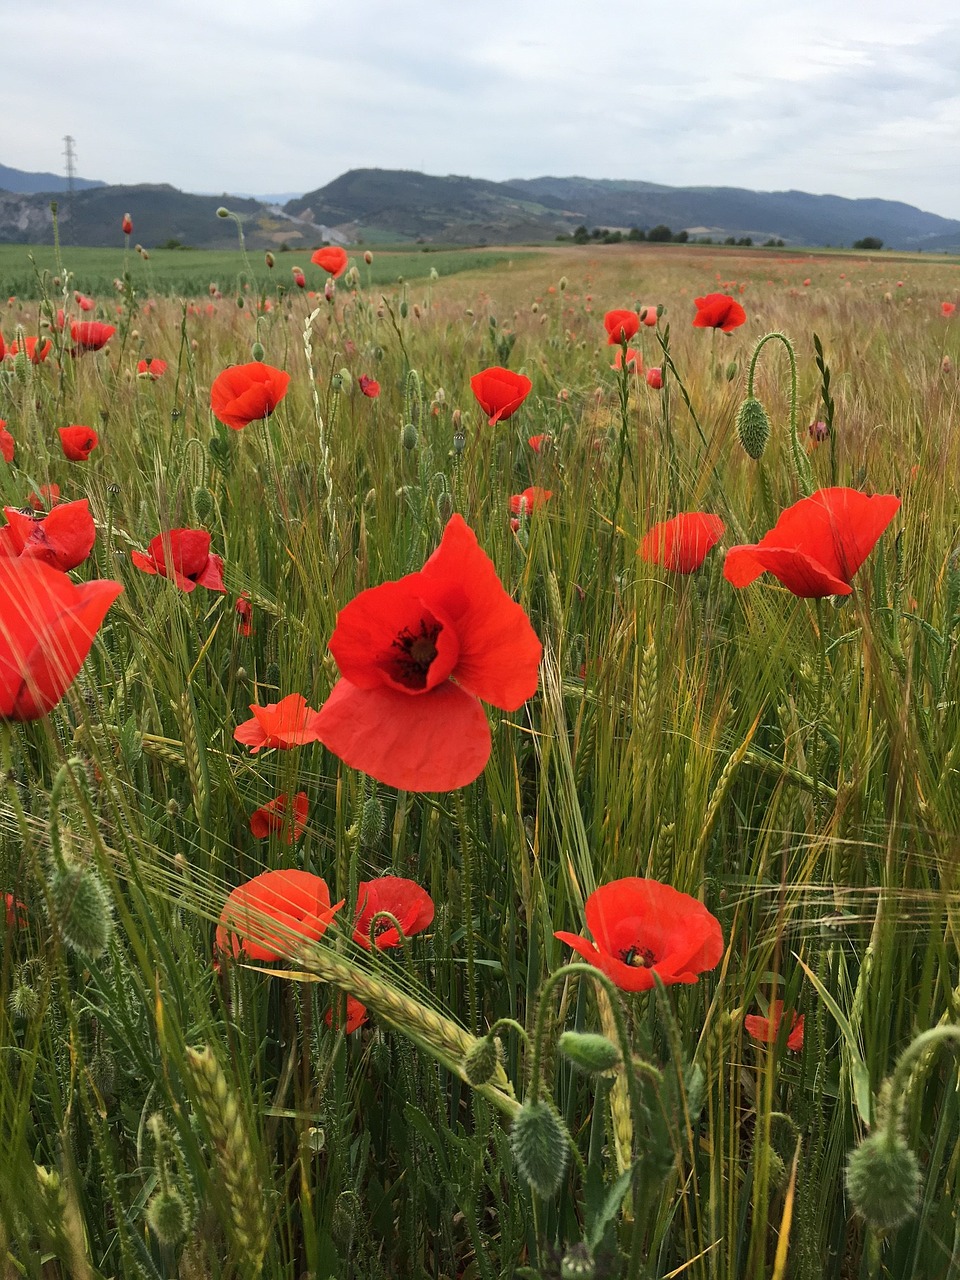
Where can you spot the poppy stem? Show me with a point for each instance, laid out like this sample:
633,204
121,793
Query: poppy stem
801,463
821,670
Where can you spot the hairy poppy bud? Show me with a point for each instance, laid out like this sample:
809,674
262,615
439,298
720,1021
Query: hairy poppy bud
753,427
203,503
256,351
80,908
731,371
883,1179
540,1147
409,437
168,1217
589,1052
371,822
481,1062
404,309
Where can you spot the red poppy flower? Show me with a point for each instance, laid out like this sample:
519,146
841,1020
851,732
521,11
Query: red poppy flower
356,1016
766,1030
620,325
416,656
405,900
46,629
266,918
369,387
83,302
14,912
7,443
275,816
89,335
681,544
78,442
948,308
634,360
817,545
299,279
539,443
151,368
126,226
183,556
641,927
529,500
718,311
648,316
244,615
284,724
500,392
654,378
48,497
3,349
37,349
333,259
246,392
62,539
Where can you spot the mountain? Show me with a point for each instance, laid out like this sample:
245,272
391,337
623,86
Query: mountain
27,183
400,204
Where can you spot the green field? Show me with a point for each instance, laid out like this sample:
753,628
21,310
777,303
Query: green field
783,757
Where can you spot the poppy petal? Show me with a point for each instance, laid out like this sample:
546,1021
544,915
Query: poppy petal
433,743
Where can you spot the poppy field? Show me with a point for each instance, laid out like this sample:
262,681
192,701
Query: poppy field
481,770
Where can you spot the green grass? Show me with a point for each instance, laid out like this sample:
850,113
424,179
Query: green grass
794,768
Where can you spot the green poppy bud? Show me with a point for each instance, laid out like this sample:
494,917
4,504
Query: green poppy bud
168,1217
589,1052
540,1147
480,1064
731,370
883,1179
256,351
80,908
403,310
346,379
753,427
409,436
203,503
223,212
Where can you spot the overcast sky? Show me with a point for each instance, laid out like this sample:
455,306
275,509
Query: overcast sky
856,98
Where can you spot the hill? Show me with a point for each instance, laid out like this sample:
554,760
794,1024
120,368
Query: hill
24,183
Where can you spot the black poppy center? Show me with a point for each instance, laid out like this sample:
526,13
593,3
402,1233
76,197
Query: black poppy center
412,653
638,957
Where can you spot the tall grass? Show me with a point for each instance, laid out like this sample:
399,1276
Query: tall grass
795,767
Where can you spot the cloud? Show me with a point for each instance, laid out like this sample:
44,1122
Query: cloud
233,95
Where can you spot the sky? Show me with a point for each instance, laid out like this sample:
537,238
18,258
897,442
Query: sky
853,99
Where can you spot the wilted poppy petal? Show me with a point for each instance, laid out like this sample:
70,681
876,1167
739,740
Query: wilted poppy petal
433,743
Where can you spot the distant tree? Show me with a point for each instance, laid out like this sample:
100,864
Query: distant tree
636,234
681,237
745,241
612,237
868,242
581,235
730,240
660,234
705,240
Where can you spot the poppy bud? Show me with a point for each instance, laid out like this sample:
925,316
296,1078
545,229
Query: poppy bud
329,290
455,418
346,378
404,309
202,503
540,1147
168,1217
23,1002
883,1179
271,677
371,822
347,1216
409,437
336,382
445,507
368,257
223,212
269,259
21,367
80,908
753,427
731,370
127,225
562,283
480,1064
589,1052
256,351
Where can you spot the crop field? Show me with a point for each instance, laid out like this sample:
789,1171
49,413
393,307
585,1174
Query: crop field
480,765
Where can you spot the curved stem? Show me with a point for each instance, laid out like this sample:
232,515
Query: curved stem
801,463
899,1093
